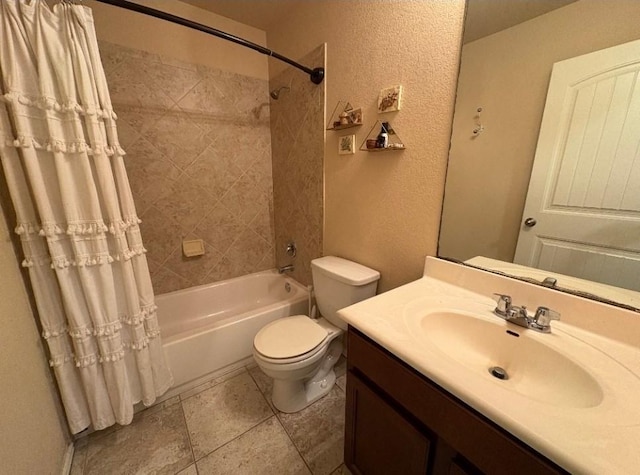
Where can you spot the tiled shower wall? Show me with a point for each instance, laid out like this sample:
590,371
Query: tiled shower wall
199,163
297,131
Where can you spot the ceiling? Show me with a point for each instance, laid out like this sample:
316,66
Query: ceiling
484,17
257,13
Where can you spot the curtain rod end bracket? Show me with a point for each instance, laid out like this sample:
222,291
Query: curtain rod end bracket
317,75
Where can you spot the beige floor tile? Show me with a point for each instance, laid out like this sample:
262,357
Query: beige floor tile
318,432
223,412
341,373
156,442
265,449
341,366
79,456
212,383
264,382
190,470
341,470
141,411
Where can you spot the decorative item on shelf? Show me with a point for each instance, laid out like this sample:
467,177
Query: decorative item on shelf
347,145
479,127
344,116
381,138
390,99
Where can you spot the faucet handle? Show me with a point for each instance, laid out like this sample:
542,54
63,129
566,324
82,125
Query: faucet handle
504,304
544,315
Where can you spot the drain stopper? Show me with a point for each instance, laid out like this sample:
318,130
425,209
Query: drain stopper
498,372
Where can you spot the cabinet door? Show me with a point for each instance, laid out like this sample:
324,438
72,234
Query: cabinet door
379,440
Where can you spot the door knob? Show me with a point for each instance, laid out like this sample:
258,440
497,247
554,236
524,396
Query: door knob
530,222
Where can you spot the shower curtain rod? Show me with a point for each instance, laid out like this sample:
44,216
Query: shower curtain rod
316,74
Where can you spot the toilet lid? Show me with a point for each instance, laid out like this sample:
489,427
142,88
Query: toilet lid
289,337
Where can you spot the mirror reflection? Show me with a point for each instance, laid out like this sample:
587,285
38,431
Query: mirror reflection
544,169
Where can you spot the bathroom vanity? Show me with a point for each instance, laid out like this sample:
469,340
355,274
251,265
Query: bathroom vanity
398,421
421,397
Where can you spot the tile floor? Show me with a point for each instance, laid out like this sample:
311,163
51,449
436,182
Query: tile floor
225,426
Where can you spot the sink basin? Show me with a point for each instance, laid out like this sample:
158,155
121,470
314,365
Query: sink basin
535,370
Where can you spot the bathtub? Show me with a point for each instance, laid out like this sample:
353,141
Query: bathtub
210,328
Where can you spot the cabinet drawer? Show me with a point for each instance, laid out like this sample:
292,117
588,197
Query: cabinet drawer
487,446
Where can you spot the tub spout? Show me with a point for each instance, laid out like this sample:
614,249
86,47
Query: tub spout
283,269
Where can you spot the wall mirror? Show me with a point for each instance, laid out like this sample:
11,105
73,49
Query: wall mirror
543,181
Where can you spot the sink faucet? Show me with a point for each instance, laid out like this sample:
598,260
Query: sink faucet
541,321
283,269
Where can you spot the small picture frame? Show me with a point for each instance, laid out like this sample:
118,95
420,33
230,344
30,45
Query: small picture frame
347,145
390,99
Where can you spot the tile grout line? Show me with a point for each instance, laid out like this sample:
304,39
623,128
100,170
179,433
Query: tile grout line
235,438
293,443
239,435
277,415
86,457
184,418
210,387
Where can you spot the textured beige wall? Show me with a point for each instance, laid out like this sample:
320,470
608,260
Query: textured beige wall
135,30
34,436
297,124
383,209
507,74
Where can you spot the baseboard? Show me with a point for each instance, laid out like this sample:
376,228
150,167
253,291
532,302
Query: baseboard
68,459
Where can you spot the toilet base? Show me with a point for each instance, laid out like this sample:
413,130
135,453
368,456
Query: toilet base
291,396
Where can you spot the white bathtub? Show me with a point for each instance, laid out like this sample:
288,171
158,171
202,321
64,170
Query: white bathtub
209,328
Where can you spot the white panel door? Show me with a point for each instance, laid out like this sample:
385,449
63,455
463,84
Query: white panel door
582,213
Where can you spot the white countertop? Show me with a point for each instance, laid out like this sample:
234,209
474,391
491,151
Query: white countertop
600,440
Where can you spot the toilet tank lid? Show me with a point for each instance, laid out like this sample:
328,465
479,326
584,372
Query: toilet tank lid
345,271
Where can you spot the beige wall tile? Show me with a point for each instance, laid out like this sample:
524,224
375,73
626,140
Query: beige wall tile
220,227
199,164
161,234
185,203
178,138
167,281
297,145
194,269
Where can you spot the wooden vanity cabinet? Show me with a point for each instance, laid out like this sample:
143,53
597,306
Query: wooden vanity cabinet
400,422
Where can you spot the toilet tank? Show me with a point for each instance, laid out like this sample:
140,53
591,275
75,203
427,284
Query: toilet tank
338,283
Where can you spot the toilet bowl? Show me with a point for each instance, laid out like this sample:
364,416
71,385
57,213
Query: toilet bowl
299,352
304,374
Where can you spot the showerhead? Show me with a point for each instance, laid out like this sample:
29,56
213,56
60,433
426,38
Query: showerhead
275,94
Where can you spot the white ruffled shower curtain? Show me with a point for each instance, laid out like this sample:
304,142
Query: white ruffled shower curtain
75,214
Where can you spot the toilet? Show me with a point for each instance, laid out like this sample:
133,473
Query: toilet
299,352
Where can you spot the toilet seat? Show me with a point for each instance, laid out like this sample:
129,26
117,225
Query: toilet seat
290,339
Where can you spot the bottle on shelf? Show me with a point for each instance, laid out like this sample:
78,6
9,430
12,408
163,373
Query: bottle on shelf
383,137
